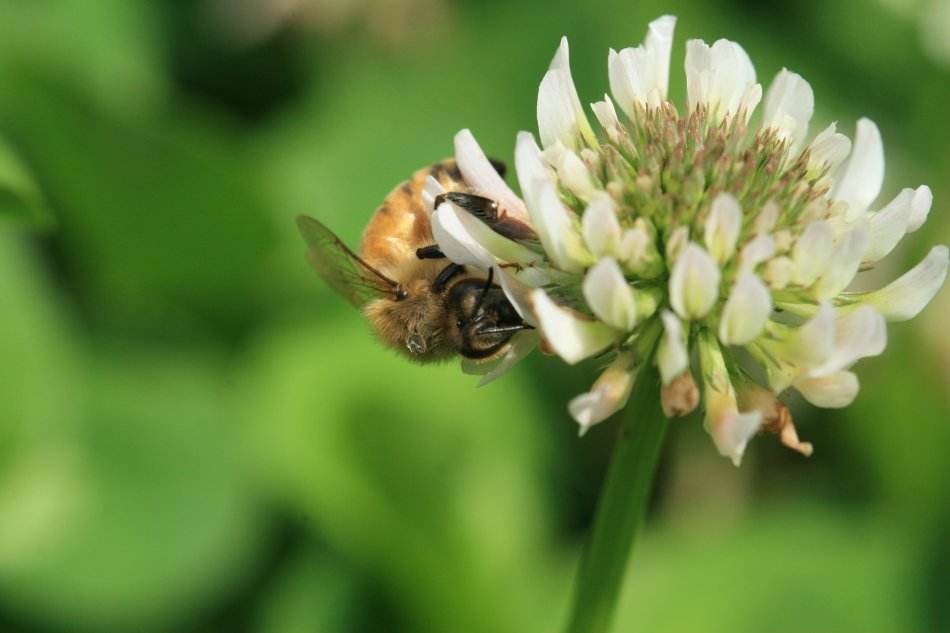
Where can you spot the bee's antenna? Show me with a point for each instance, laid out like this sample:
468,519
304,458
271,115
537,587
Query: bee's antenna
484,293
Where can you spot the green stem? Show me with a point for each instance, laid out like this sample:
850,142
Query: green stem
620,510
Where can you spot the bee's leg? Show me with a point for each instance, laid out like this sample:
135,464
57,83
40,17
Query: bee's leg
499,166
430,252
486,210
505,329
446,275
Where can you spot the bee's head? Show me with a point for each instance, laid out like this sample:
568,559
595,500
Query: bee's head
481,319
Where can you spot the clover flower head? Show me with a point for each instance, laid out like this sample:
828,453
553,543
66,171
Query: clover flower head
693,232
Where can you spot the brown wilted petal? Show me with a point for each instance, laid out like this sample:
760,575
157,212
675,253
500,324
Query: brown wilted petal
776,418
789,437
680,397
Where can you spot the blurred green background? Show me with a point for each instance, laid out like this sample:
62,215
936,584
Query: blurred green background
197,436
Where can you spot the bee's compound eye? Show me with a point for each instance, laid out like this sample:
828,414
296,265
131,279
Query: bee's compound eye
459,323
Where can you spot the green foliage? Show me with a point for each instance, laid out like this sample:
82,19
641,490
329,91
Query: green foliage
323,432
20,196
797,568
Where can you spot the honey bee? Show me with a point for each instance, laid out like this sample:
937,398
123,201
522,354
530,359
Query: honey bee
416,301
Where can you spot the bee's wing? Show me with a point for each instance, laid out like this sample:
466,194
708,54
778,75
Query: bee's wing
343,269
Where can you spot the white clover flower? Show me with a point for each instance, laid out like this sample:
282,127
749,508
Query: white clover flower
695,235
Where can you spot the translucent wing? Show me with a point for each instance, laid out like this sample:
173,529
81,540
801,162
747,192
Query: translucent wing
343,269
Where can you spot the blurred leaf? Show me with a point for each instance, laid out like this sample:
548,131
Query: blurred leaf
20,196
107,50
794,569
120,480
410,471
160,222
166,525
314,593
41,474
899,422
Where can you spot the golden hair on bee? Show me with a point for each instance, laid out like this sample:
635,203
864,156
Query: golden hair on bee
416,301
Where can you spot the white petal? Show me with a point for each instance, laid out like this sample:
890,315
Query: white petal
920,208
572,173
843,263
722,227
720,76
672,356
608,395
530,167
455,241
430,189
789,105
521,345
659,42
518,294
620,85
482,177
591,408
556,121
746,311
750,100
793,351
777,272
861,181
828,149
600,226
677,242
729,429
560,115
461,229
570,335
815,338
698,72
694,283
830,392
888,226
536,276
638,252
732,431
634,246
609,296
553,222
906,296
811,252
648,299
556,228
641,74
858,335
607,117
757,250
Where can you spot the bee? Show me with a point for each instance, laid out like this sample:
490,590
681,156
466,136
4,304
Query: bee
416,301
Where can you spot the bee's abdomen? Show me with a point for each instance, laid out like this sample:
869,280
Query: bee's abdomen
401,224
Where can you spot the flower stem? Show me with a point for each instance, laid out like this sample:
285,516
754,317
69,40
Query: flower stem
620,510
